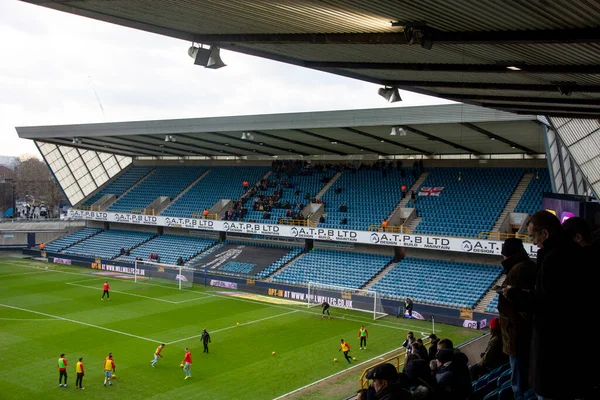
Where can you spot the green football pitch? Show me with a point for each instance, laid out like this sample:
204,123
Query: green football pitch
46,309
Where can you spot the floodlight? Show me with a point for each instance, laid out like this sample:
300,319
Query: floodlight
244,136
391,94
76,140
206,57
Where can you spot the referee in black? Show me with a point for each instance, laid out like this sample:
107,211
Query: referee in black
325,306
205,337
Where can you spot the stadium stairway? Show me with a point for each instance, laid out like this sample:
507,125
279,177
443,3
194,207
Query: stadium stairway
97,198
378,276
329,184
414,223
284,266
514,199
105,205
415,187
247,192
489,296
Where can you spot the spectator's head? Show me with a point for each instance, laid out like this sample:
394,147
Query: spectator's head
495,324
444,356
417,369
433,336
542,225
382,375
579,230
410,335
445,344
511,247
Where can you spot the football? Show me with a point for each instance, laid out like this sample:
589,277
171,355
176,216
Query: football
181,365
335,360
273,353
114,376
354,358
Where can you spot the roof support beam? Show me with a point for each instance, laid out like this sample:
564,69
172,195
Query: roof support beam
361,148
493,85
296,142
439,139
493,136
86,146
247,142
384,140
585,35
174,145
545,108
482,68
166,149
226,145
517,99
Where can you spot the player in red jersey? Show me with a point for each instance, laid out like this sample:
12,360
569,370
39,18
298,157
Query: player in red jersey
106,288
187,364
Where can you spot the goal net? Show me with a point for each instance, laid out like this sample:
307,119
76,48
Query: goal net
347,298
167,274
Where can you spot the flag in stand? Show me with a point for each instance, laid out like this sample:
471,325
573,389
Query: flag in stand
430,191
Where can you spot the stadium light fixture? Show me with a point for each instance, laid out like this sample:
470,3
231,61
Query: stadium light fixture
391,94
76,140
170,138
244,136
207,57
398,131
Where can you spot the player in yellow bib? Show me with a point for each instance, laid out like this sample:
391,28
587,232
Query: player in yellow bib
157,354
363,335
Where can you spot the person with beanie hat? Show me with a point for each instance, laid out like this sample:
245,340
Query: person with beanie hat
516,326
493,356
452,376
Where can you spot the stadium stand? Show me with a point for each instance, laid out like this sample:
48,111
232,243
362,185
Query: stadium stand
69,240
280,263
164,181
352,270
369,195
310,182
438,282
127,179
496,385
493,306
532,198
108,244
471,200
170,248
220,183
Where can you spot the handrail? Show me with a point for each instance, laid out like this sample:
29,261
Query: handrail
143,211
364,382
297,222
392,229
503,235
200,215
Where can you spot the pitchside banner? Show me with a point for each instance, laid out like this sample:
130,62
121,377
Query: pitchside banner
336,235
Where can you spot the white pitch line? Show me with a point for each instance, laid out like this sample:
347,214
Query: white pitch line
81,323
333,375
29,319
235,326
210,294
23,273
125,293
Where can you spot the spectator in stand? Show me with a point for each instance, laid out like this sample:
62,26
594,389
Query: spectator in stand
410,339
579,230
344,221
386,384
413,196
204,213
422,383
419,349
493,356
433,346
452,376
338,190
179,260
561,275
245,185
520,273
384,224
321,219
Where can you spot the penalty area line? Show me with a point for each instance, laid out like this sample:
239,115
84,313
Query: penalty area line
81,323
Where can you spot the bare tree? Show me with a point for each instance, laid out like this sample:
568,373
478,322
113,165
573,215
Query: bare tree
34,182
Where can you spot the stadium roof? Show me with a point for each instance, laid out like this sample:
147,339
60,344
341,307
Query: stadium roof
530,57
428,130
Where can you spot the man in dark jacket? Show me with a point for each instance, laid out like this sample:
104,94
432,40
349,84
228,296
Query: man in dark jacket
205,338
493,356
433,346
453,381
520,273
386,383
561,275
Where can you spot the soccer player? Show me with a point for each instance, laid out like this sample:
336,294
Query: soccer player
345,347
187,364
363,335
205,339
79,371
62,370
109,369
106,288
325,306
157,354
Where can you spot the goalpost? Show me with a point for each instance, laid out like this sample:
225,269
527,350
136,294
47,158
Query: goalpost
347,298
148,271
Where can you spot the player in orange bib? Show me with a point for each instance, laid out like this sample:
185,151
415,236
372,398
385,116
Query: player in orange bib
106,288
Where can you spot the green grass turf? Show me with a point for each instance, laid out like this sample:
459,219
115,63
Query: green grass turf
139,316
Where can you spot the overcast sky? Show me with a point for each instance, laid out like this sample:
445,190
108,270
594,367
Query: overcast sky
58,68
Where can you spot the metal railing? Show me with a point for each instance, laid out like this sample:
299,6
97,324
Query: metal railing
503,236
143,211
200,215
391,229
296,222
